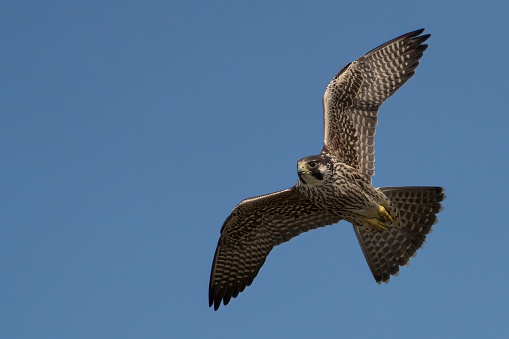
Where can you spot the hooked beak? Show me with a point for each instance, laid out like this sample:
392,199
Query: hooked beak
301,169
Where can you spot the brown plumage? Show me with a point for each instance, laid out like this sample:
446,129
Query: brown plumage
390,223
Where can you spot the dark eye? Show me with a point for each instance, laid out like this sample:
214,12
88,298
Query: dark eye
312,164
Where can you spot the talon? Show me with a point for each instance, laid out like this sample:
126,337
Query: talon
376,223
383,213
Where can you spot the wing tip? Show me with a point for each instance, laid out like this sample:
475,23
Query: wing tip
215,299
413,35
416,32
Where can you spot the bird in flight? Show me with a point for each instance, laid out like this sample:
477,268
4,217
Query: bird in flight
391,223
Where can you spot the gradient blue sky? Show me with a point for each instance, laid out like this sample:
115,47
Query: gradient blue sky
129,131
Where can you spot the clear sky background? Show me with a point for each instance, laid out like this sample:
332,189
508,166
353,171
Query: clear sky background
130,130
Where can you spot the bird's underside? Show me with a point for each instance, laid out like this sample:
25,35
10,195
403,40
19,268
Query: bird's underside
390,223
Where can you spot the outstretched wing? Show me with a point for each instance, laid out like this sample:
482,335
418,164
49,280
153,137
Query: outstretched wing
250,232
352,99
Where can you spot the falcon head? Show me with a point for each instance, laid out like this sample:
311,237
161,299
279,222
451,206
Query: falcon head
313,170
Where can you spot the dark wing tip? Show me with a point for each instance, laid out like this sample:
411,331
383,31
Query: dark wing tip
416,32
213,299
216,303
422,38
414,35
218,296
214,296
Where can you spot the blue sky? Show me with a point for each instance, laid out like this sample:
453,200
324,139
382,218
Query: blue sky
130,130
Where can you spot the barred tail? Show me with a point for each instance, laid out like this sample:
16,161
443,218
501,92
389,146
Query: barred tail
386,250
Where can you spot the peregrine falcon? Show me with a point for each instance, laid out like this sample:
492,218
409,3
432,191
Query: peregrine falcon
391,223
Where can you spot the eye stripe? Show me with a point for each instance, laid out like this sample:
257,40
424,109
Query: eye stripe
317,175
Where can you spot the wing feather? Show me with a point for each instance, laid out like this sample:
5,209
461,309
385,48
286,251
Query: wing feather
250,232
352,99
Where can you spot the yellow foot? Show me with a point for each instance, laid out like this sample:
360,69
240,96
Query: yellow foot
377,223
380,222
383,213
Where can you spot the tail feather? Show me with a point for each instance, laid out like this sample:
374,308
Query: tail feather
386,250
